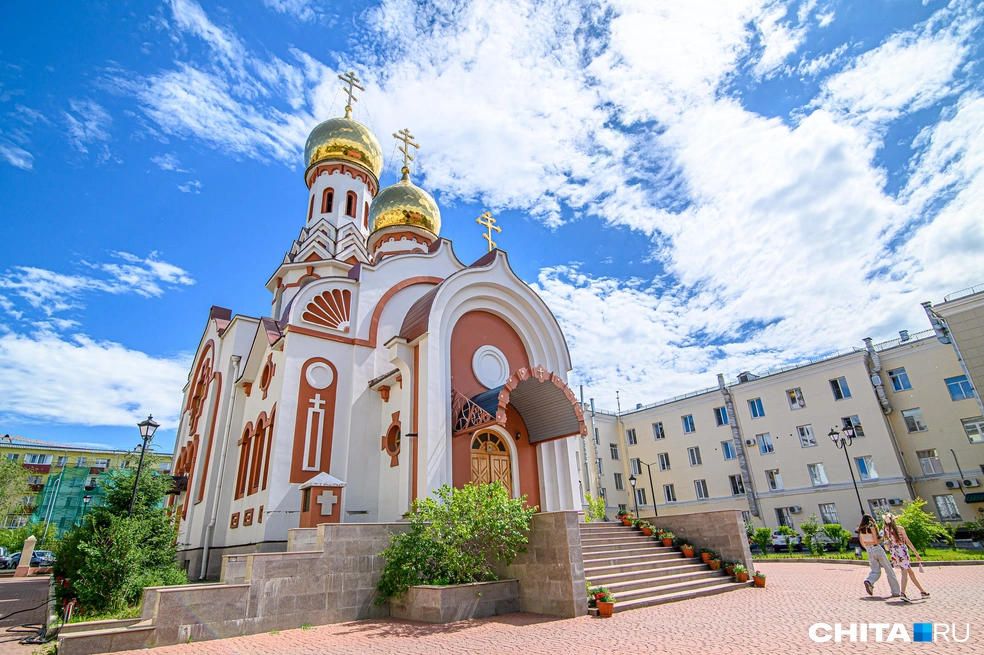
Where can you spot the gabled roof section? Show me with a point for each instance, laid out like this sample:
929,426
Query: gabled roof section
221,316
415,322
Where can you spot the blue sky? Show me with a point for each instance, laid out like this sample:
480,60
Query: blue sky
694,187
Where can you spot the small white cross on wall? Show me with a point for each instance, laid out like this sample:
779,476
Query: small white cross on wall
327,500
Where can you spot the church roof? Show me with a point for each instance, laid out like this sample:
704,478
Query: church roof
322,480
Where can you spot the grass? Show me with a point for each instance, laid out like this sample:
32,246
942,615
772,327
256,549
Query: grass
929,555
128,613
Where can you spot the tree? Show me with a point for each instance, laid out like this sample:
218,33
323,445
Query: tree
109,558
790,535
596,508
921,527
13,538
838,534
810,528
762,538
13,486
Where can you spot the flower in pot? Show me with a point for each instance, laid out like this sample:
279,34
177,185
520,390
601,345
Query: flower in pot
688,550
741,573
729,568
647,529
625,517
759,579
715,563
595,594
606,605
705,554
667,539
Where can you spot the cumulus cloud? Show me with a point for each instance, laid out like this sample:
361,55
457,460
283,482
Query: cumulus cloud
192,186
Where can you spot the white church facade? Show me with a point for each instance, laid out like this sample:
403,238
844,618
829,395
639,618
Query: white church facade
386,368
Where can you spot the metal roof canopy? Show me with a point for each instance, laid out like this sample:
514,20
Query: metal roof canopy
546,410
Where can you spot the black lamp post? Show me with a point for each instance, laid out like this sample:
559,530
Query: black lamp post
86,499
843,442
652,490
635,501
147,430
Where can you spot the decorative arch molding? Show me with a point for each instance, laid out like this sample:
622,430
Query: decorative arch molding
200,381
391,440
540,407
331,308
314,422
353,172
505,437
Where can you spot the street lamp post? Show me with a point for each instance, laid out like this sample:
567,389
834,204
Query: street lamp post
635,500
652,490
147,430
843,442
86,499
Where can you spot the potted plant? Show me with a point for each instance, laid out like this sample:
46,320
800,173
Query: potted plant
715,562
597,593
647,529
687,549
625,517
606,605
759,579
705,554
667,539
741,573
729,568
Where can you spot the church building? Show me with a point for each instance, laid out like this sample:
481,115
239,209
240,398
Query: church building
385,369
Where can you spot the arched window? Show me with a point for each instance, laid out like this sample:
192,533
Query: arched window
350,201
259,437
311,208
365,216
327,200
243,471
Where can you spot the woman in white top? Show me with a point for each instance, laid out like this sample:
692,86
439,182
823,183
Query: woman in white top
868,536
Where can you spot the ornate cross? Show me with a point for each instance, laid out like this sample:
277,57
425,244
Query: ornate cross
352,81
407,139
489,223
327,500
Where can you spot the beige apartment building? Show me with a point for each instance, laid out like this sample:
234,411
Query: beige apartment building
760,443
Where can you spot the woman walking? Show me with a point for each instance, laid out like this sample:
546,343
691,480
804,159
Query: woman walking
868,536
899,546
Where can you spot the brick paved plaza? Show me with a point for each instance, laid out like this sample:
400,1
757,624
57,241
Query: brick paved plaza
771,620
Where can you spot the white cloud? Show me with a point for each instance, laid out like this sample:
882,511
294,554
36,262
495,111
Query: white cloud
817,65
779,38
17,156
190,17
81,381
169,162
89,124
192,186
305,10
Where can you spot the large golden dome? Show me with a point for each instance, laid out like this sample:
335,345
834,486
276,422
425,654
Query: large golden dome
347,140
404,204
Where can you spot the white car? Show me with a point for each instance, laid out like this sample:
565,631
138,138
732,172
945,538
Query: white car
780,545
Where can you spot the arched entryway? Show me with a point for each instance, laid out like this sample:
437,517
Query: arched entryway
490,460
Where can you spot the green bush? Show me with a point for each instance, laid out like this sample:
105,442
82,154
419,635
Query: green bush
455,538
921,527
836,533
974,528
13,538
596,508
810,528
789,533
762,538
109,558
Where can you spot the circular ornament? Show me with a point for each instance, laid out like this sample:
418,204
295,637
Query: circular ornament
319,375
490,366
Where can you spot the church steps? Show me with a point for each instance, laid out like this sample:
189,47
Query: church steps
659,599
622,559
626,584
625,545
656,568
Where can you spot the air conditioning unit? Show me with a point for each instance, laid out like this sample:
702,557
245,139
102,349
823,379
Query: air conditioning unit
749,442
952,484
795,509
971,482
894,501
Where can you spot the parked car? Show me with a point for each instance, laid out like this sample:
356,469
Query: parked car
4,558
39,558
779,543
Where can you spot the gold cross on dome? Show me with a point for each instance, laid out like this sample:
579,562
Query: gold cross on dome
407,139
488,223
352,81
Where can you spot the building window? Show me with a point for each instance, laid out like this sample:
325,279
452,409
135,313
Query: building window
350,201
775,480
852,422
62,461
658,431
746,517
603,493
597,441
636,466
914,420
974,427
600,470
959,388
640,496
946,506
755,407
101,463
124,463
13,457
614,450
929,461
721,415
817,475
82,462
618,482
688,424
737,486
795,398
900,379
91,482
35,458
164,467
35,480
805,433
828,513
840,388
878,507
783,517
327,200
728,448
669,493
765,443
630,436
866,468
700,486
694,454
664,461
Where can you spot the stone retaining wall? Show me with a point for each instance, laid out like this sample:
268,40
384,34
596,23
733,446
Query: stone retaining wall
436,604
723,531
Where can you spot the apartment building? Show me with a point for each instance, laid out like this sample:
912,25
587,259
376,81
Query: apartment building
760,443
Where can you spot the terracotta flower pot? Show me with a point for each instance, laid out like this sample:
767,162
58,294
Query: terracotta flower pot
605,609
743,577
730,569
705,557
715,564
626,522
647,531
759,582
668,542
688,552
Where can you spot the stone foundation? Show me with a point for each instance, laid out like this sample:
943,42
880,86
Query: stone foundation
434,604
191,559
722,531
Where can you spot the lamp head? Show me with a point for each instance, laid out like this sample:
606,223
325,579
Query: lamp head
849,432
834,435
86,499
148,428
632,480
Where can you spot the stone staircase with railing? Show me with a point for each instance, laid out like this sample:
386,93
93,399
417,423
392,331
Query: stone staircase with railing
640,572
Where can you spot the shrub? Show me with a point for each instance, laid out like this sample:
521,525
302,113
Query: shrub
454,538
836,533
810,528
13,538
974,528
596,508
762,538
921,527
790,535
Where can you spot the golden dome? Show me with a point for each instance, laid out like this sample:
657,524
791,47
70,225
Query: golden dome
404,204
347,140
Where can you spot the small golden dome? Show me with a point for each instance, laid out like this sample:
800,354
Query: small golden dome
404,204
347,140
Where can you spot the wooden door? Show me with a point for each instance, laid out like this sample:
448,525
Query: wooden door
490,460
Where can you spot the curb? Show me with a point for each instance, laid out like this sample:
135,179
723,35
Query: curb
855,562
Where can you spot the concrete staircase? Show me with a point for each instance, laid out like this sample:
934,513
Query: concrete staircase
641,572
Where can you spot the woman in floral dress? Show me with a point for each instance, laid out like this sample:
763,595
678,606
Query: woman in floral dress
898,548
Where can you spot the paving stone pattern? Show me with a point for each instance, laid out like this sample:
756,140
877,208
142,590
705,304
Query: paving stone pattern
770,620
